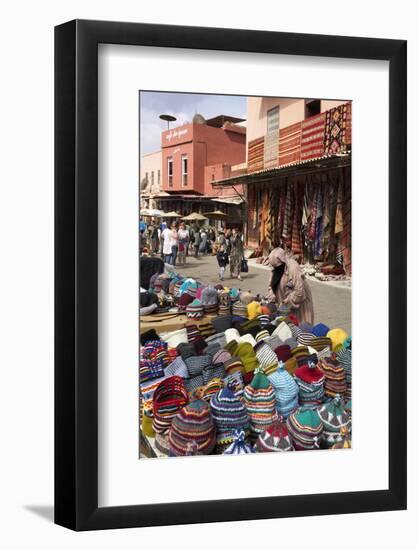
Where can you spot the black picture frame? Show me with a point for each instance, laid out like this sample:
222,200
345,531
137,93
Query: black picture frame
76,271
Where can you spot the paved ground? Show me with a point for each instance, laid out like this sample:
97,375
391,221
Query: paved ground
332,304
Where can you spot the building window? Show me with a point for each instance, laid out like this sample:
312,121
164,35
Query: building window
273,120
170,172
152,179
312,107
184,169
159,179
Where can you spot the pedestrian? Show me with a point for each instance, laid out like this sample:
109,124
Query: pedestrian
167,245
227,237
222,260
154,233
196,241
236,253
287,285
174,243
183,240
203,242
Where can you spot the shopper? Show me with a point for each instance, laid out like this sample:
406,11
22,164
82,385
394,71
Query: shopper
183,240
288,286
167,245
236,253
203,242
174,243
196,241
154,235
222,260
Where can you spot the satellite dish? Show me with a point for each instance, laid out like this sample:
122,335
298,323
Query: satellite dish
168,118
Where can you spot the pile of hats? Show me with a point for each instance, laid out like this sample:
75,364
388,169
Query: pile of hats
242,372
310,380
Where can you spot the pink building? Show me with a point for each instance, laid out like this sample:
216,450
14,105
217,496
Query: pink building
195,154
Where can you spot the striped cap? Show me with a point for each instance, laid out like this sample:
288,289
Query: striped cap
239,446
305,429
192,425
259,398
274,439
229,414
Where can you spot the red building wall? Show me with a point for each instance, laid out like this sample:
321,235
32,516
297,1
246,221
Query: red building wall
204,145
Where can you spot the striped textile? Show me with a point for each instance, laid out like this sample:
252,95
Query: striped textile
255,155
290,144
271,146
312,137
170,396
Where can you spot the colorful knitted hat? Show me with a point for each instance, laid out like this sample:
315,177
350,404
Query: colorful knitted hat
234,382
231,334
251,326
320,330
206,328
212,349
274,439
259,398
295,330
196,364
212,388
283,352
305,429
239,446
264,319
195,310
192,332
229,414
169,397
240,309
310,380
221,356
148,335
185,350
337,336
184,300
209,296
213,371
291,365
262,335
177,368
147,428
266,357
247,355
192,384
286,391
320,343
248,338
334,419
219,338
334,376
246,297
193,424
234,364
345,358
162,443
254,309
305,338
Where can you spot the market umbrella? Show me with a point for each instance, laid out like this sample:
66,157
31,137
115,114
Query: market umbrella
194,217
217,214
172,215
153,212
144,212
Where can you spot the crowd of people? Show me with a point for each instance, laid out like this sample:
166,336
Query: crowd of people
176,241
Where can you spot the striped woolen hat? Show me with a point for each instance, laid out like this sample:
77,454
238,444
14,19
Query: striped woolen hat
196,364
320,343
335,421
345,358
310,380
259,398
234,382
266,357
262,335
210,389
213,371
192,425
239,446
295,330
286,391
246,354
218,338
177,368
229,414
206,329
305,429
234,364
222,323
156,349
212,349
221,356
192,332
305,338
195,310
274,439
334,376
170,396
239,309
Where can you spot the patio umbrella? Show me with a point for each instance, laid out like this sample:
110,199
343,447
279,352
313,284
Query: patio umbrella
194,217
217,215
172,215
153,212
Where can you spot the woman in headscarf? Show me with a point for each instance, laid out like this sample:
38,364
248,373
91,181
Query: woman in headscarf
236,254
288,286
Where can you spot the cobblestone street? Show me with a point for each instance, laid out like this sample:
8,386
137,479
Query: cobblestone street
332,301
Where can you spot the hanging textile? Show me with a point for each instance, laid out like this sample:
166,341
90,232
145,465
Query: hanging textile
296,241
289,144
287,229
255,155
319,222
337,133
346,237
312,132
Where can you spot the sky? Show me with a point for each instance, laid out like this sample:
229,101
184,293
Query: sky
183,107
